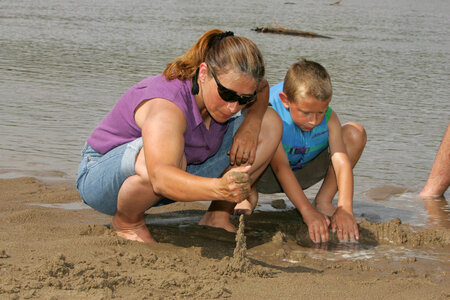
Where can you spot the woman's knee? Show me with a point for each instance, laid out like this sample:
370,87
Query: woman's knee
354,134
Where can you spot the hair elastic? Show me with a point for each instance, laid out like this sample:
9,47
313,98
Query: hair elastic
224,35
195,88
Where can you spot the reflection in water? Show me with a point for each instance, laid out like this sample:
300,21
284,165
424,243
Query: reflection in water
334,250
334,246
409,206
364,251
66,206
383,193
438,212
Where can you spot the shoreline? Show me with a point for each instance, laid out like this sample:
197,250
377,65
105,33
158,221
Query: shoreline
50,252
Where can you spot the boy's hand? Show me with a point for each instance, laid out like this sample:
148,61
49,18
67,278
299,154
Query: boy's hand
317,225
344,223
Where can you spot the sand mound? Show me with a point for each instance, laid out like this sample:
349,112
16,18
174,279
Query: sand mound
391,233
396,233
239,264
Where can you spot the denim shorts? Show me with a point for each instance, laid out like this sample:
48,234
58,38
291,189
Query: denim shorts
100,176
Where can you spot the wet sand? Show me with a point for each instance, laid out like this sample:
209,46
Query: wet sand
51,247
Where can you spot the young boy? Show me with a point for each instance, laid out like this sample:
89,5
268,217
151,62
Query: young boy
314,146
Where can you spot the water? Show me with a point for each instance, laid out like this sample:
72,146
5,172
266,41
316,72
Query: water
64,64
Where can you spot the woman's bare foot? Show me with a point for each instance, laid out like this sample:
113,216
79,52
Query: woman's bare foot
133,232
327,209
246,207
218,219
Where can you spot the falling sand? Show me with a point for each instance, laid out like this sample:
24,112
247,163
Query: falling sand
240,262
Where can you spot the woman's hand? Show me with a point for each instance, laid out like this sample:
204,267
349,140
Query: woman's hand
245,141
235,185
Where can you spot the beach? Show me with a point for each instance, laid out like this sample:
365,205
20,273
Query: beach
64,65
53,247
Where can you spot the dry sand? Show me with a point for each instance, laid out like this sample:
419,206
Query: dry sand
48,252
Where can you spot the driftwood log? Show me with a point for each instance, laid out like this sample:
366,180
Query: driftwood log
283,30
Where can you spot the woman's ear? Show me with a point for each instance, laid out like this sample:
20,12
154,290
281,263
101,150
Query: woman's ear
284,100
203,72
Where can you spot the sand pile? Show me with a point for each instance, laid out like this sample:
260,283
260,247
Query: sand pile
239,264
390,233
396,233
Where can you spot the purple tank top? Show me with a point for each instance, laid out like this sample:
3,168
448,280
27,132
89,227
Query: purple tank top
119,126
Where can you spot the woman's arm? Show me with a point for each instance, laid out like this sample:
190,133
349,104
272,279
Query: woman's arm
245,140
163,125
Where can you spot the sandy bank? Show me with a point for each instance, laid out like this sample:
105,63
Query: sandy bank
48,252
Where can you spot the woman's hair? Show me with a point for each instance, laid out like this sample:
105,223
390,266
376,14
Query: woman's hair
307,78
222,52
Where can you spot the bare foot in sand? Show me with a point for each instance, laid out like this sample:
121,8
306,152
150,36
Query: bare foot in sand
246,207
133,232
327,209
218,219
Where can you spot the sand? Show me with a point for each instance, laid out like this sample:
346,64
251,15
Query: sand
51,247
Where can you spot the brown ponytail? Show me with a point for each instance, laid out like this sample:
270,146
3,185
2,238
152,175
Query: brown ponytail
224,54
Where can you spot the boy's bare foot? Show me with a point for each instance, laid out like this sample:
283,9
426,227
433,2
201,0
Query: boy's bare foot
133,232
327,209
218,219
246,207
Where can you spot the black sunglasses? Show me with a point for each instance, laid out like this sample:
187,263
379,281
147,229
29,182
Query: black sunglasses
231,96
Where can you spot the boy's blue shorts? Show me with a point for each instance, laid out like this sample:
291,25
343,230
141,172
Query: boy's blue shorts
100,176
311,173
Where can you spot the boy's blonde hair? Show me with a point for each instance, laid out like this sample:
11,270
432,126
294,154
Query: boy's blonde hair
307,78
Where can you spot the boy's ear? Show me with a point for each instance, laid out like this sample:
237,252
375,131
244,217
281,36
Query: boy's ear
284,99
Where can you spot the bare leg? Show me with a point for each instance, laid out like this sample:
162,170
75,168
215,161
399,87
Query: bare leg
439,178
133,200
246,207
218,214
135,197
355,138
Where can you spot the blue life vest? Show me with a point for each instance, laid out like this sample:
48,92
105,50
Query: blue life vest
300,146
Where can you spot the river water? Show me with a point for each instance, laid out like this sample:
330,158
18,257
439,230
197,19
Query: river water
63,65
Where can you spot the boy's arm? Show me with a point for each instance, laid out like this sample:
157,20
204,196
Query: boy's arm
343,220
317,222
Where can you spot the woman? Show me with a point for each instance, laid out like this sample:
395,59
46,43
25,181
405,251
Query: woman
170,135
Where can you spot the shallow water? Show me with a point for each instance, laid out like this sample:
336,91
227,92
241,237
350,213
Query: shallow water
64,64
66,206
262,228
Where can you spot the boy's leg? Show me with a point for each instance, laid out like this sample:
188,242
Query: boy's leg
355,138
311,173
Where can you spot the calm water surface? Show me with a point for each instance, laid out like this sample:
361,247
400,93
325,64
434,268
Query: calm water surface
64,64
